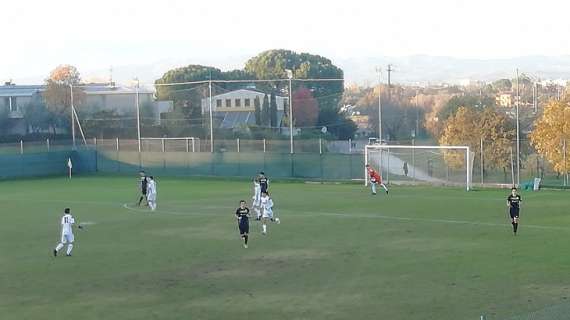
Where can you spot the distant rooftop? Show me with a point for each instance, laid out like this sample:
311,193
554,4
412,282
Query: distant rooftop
14,90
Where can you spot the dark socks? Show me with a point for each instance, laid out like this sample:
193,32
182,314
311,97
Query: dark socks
245,239
140,200
515,227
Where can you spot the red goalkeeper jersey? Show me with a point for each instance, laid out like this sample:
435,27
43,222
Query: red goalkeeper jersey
374,176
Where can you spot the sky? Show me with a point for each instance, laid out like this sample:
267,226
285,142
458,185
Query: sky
95,35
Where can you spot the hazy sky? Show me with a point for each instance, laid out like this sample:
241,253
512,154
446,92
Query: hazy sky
93,35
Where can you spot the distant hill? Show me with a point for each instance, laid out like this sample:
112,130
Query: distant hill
417,69
422,69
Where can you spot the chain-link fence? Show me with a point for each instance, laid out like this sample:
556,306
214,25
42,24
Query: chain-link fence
178,155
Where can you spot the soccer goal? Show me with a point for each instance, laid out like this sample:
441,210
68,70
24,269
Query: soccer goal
183,144
433,165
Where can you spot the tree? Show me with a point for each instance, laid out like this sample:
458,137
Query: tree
272,64
257,111
273,111
57,94
103,124
502,85
550,131
468,101
265,121
468,125
337,123
36,114
305,108
4,120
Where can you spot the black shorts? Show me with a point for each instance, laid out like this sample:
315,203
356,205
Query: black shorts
243,228
263,189
514,213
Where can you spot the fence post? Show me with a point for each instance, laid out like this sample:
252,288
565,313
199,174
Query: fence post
187,145
47,144
388,167
193,145
320,146
21,147
237,141
118,162
264,146
163,148
349,145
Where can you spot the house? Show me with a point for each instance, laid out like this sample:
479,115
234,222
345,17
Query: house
98,97
14,98
504,99
237,108
121,99
362,124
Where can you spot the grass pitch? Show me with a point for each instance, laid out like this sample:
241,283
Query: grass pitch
339,253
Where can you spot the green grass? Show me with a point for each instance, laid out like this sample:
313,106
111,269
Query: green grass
339,253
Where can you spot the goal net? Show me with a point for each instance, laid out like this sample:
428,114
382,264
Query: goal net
184,144
432,165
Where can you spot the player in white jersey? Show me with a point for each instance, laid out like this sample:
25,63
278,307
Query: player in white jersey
67,222
267,211
256,198
151,193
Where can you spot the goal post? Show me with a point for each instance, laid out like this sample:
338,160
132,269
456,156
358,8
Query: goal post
433,165
183,144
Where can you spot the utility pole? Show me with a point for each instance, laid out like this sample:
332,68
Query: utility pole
379,70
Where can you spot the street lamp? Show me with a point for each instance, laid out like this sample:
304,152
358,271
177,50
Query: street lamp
379,70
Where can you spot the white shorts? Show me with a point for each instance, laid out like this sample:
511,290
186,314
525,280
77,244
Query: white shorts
256,196
67,237
267,214
151,197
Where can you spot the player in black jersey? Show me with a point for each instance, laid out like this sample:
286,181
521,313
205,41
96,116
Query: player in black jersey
514,203
143,187
242,215
263,182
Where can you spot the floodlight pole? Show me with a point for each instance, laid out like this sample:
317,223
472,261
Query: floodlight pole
518,132
138,114
211,116
379,70
290,76
72,115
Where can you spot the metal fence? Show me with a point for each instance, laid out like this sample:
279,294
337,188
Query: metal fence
313,158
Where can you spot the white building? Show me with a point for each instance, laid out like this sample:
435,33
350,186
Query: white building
235,108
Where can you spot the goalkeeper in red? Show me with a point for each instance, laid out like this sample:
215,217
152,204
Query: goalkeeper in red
375,179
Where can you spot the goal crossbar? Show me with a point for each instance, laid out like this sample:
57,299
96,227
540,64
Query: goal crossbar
466,149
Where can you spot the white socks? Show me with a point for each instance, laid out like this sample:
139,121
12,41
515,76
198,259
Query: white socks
384,186
264,228
59,246
69,248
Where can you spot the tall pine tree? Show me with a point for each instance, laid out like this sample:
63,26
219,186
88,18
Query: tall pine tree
265,111
257,112
273,111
